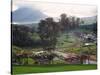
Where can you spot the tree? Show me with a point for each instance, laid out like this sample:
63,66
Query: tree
68,23
64,22
48,31
21,35
74,22
77,22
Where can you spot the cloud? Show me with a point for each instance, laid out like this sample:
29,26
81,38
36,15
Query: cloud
55,9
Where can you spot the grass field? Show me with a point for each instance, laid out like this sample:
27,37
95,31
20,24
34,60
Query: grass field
50,68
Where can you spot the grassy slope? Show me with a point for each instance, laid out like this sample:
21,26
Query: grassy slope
50,68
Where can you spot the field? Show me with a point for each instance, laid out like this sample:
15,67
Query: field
50,68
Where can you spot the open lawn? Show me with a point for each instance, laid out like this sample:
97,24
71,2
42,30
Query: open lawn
50,68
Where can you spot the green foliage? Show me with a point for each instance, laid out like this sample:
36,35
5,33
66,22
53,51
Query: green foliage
24,36
68,23
50,68
21,35
89,28
48,31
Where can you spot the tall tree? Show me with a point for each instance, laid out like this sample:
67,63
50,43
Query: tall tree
77,22
48,32
68,23
64,22
21,35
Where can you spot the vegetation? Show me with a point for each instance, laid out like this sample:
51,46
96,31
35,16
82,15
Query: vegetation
48,32
44,44
50,68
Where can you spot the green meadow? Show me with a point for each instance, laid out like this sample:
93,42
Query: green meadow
28,69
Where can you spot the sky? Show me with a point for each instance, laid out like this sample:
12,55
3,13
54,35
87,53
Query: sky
56,9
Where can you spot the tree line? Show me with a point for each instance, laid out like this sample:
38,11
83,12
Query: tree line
48,31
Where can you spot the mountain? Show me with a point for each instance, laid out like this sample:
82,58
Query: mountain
89,20
27,15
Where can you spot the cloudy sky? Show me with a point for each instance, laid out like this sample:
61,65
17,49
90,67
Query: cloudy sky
55,9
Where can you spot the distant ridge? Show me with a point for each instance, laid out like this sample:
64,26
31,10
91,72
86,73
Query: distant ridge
89,20
27,15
